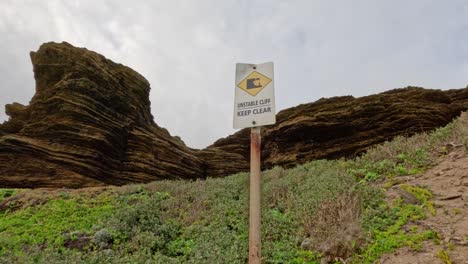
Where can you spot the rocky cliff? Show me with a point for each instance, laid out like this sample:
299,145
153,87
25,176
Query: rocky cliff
346,126
90,124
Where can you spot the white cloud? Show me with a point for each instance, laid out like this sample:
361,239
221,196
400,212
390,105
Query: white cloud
188,49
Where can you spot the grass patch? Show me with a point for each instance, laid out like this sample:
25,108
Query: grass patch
5,193
178,221
45,226
444,257
423,195
410,155
385,224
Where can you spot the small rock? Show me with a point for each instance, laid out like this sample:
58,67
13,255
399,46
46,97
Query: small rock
451,197
108,252
103,239
306,244
299,241
408,197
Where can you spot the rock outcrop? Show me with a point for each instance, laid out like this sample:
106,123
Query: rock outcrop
346,126
90,124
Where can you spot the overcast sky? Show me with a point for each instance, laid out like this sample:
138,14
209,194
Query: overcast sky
188,49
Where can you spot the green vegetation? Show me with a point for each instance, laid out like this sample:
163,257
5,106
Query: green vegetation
423,195
444,257
386,225
46,226
174,221
321,210
5,193
409,155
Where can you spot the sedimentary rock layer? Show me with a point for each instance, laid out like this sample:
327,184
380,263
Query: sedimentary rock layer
89,124
346,126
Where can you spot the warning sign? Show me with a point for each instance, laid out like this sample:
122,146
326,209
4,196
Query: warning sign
254,103
254,83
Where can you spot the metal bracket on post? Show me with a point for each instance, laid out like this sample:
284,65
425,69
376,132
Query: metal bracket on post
255,190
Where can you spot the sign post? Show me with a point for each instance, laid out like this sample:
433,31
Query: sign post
255,235
254,106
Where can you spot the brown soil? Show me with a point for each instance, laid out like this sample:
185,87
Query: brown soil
449,183
80,243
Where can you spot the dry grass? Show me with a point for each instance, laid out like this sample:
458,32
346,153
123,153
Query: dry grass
408,156
454,134
335,228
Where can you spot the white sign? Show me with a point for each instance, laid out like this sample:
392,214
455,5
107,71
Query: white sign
254,103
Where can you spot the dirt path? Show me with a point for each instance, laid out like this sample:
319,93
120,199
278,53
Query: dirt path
449,183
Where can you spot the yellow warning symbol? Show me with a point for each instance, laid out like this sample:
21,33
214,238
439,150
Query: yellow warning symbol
254,83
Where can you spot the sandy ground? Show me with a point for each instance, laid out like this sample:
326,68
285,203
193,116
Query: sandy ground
449,183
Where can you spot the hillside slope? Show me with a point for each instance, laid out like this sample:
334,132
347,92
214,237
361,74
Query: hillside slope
90,124
448,183
399,202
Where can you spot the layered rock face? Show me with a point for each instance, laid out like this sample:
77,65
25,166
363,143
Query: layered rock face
346,126
90,124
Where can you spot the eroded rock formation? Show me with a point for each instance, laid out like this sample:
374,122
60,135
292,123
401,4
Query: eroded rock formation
90,124
346,126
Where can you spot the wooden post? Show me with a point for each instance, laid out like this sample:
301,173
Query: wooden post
254,208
